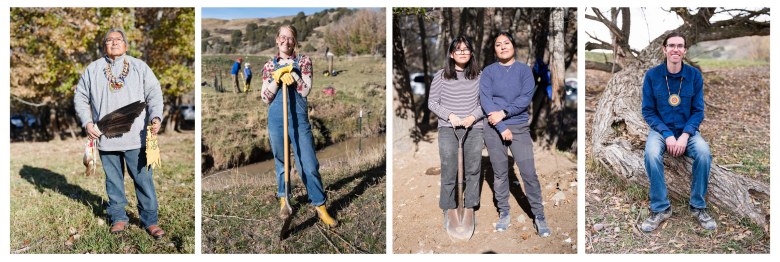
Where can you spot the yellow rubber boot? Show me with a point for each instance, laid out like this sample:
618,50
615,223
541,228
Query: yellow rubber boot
284,212
325,217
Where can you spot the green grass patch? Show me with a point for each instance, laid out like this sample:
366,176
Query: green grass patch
56,209
708,63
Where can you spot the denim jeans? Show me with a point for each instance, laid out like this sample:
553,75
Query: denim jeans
302,144
523,152
472,160
135,161
697,149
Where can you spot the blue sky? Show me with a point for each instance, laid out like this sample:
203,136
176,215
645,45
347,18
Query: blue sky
236,13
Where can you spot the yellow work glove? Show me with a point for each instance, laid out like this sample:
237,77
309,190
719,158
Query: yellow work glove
281,71
152,149
287,79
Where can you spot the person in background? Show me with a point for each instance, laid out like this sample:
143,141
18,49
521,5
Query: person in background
247,78
235,71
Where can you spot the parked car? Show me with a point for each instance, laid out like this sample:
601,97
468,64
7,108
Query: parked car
187,112
18,120
571,92
417,81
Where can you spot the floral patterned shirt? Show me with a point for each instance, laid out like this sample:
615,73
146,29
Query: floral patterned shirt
302,74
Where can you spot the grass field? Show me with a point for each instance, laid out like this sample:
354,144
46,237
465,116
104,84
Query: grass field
235,125
56,209
244,219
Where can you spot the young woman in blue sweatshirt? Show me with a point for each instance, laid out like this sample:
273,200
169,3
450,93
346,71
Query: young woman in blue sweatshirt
506,90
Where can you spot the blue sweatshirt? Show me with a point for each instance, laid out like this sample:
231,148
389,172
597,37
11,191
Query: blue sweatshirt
509,88
236,68
247,74
664,118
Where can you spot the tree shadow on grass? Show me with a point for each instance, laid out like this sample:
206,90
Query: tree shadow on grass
44,179
367,178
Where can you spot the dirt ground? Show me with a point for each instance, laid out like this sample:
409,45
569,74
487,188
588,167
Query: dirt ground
613,208
418,221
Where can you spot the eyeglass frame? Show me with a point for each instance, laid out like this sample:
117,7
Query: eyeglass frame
112,40
462,51
677,46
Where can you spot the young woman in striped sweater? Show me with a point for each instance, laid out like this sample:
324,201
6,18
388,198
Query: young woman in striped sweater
454,98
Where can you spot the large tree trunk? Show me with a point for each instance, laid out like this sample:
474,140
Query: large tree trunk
557,68
426,113
619,134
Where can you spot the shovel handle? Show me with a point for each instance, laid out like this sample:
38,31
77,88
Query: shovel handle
286,144
461,196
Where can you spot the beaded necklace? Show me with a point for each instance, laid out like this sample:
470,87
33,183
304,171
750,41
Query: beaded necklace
116,83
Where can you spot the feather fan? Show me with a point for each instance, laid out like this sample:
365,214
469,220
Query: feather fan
119,122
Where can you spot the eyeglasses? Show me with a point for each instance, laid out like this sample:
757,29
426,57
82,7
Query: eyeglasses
112,40
677,46
286,39
462,52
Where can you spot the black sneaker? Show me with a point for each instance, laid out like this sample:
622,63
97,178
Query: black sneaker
655,219
705,220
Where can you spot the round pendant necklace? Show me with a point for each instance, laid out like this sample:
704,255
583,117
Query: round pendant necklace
674,99
116,83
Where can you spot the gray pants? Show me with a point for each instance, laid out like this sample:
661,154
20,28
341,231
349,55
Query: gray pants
472,160
523,152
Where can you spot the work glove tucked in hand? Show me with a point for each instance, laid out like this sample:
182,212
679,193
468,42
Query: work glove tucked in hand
281,72
152,149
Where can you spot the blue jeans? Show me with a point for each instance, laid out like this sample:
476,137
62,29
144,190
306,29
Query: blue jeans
302,144
135,161
697,149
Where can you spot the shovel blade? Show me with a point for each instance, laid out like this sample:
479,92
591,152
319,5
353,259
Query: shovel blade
460,226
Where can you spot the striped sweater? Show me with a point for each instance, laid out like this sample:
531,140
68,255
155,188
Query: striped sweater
455,96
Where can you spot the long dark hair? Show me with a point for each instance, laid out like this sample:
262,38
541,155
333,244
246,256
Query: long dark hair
470,71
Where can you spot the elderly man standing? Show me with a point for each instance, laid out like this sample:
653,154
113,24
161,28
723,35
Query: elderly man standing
108,84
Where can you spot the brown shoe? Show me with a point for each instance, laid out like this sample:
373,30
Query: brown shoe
155,231
118,227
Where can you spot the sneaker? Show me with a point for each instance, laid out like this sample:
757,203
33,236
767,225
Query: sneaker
541,227
503,222
655,219
325,217
705,220
284,211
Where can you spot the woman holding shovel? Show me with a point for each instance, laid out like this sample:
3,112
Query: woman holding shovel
506,90
291,71
454,98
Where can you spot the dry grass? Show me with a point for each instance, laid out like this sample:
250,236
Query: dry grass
243,219
235,125
56,209
736,129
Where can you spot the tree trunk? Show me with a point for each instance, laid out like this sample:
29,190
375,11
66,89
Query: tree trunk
619,133
426,113
401,75
557,68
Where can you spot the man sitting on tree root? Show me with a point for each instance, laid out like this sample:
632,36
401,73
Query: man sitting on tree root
673,107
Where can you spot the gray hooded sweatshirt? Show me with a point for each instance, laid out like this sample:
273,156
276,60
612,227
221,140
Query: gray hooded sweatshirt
94,99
